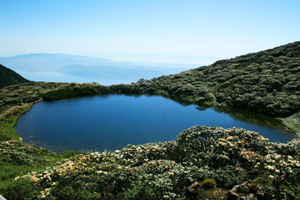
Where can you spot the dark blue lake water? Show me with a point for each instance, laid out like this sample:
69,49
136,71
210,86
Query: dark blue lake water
110,122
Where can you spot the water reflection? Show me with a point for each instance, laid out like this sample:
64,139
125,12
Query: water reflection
110,122
251,117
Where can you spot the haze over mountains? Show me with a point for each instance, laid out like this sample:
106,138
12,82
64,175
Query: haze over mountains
73,68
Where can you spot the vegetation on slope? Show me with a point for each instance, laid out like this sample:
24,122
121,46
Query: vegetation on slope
16,157
293,122
37,91
8,119
9,77
203,163
265,82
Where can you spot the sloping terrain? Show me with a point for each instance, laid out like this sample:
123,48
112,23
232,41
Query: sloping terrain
203,163
266,82
9,77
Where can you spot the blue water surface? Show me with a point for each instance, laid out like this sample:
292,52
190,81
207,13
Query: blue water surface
111,122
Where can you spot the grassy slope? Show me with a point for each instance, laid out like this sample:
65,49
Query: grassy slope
293,122
8,119
17,157
174,169
264,82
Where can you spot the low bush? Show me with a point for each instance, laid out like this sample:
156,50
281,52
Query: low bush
209,183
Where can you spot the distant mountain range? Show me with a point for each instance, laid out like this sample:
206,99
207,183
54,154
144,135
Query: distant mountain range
73,68
9,77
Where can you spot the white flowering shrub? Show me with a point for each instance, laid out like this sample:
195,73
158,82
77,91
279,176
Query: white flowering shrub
171,170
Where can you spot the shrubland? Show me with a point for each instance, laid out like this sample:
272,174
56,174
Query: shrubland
203,163
264,82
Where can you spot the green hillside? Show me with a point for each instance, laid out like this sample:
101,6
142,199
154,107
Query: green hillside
266,82
202,163
9,77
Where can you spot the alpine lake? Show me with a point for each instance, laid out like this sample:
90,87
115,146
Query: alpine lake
110,122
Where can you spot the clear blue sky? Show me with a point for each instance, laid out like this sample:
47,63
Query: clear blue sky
217,28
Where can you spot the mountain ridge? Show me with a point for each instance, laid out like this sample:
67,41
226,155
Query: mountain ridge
9,77
266,82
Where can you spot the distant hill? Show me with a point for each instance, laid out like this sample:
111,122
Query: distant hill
265,82
42,62
9,77
203,163
74,68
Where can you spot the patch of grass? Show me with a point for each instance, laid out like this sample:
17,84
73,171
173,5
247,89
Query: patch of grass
8,170
293,122
18,158
22,189
70,153
8,119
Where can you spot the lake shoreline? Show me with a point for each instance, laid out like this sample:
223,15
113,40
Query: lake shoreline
28,106
128,119
204,162
55,89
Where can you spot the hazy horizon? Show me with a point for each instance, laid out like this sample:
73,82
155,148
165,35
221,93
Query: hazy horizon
140,58
172,33
153,31
82,69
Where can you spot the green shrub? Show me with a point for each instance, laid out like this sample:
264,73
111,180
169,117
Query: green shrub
70,153
209,183
23,188
140,190
68,93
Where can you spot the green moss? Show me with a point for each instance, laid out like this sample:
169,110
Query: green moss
209,183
